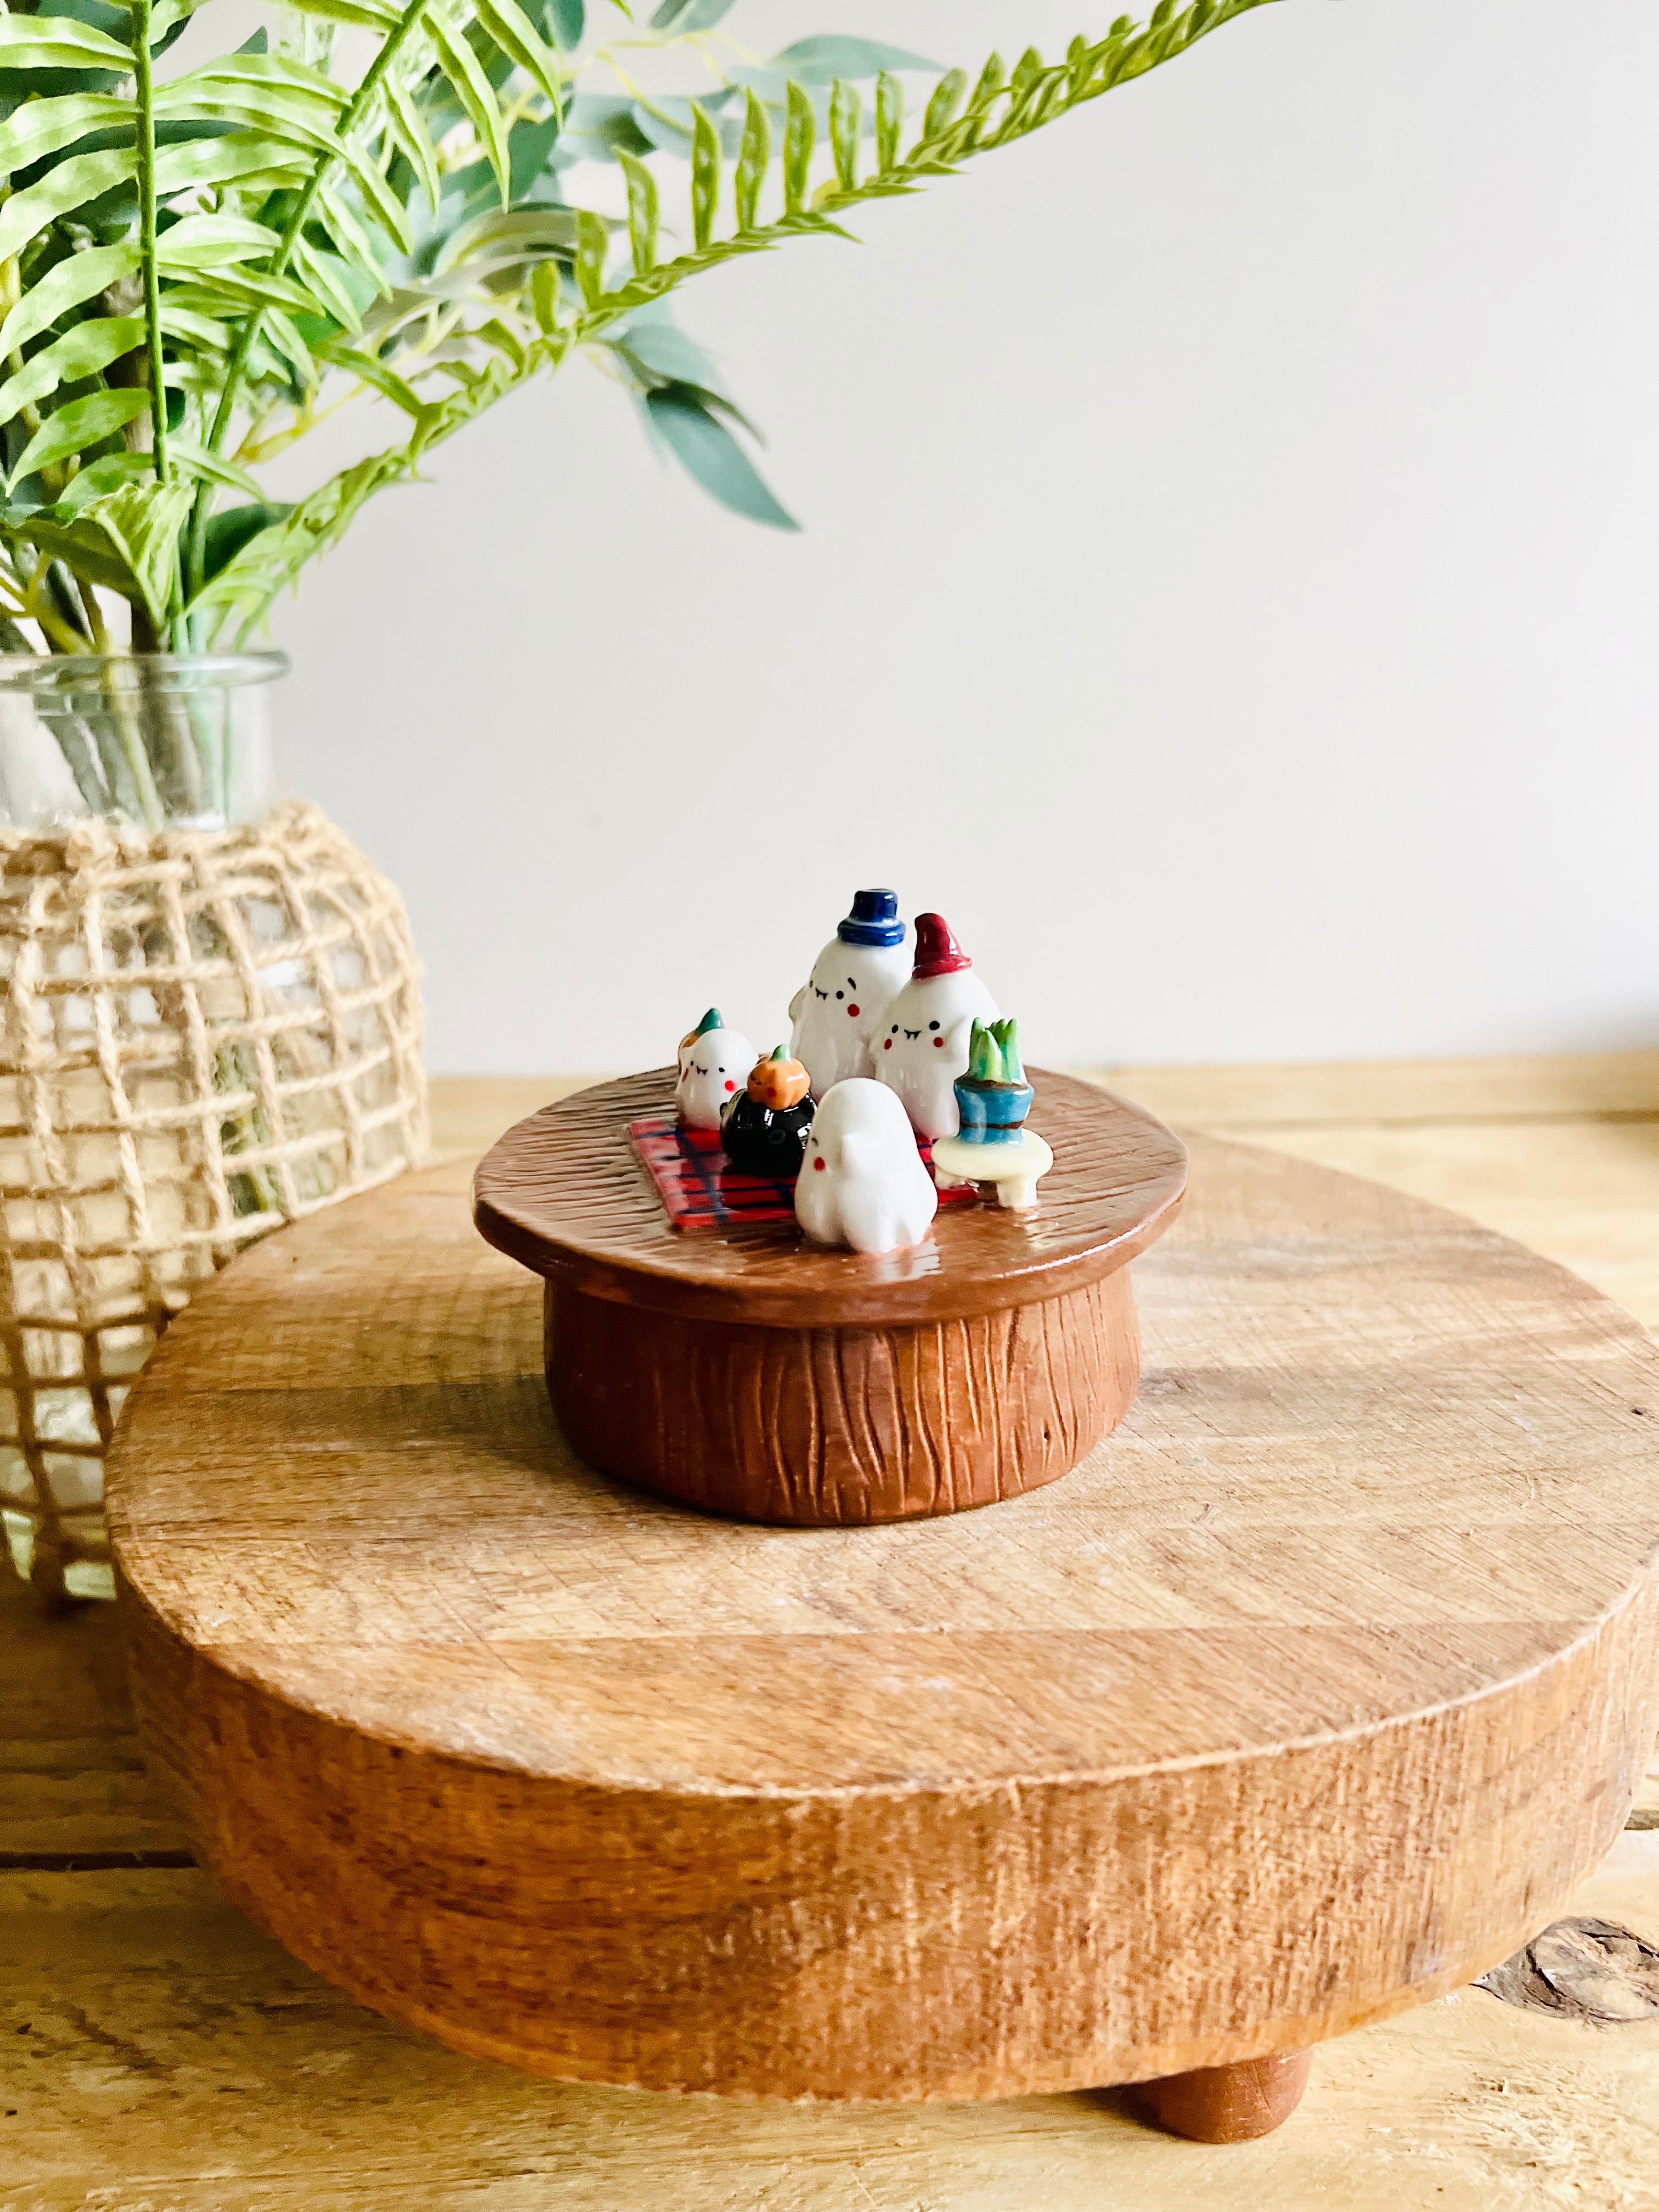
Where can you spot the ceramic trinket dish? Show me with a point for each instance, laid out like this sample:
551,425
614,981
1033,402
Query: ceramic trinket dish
751,1370
839,1013
929,1025
713,1060
763,1129
862,1183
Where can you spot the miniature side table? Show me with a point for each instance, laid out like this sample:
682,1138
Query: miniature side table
750,1372
1313,1693
1015,1169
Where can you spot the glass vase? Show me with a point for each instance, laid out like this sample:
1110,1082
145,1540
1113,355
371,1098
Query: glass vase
210,1026
150,740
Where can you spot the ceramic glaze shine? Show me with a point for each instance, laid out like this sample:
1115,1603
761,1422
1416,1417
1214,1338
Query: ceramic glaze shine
862,1181
714,1065
839,1012
925,1047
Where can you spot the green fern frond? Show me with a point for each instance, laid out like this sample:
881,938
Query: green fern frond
196,268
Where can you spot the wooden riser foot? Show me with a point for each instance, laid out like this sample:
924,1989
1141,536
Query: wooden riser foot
1229,2104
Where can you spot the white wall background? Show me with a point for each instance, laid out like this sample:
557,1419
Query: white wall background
1228,591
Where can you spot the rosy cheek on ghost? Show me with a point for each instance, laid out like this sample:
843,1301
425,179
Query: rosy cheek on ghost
938,1041
853,1010
818,1164
729,1085
887,1044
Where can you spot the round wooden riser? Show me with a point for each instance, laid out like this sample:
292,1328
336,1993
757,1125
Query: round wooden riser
1309,1695
751,1373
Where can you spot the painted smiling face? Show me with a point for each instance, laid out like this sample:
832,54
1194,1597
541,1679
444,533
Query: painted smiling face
838,1013
926,1043
714,1065
861,1180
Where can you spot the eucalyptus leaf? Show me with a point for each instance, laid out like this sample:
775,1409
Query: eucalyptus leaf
566,21
821,60
530,150
683,16
598,126
667,356
709,452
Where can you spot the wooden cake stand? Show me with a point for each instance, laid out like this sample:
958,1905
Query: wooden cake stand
1310,1696
751,1373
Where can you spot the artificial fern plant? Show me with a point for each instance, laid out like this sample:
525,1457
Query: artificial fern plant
202,256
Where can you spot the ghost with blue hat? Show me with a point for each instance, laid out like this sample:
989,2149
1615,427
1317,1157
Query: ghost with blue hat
838,1012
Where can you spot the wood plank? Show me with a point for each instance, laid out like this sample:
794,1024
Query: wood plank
177,2061
1232,1100
72,1780
1583,1192
469,1112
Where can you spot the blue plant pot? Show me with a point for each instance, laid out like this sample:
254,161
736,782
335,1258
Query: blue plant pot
992,1112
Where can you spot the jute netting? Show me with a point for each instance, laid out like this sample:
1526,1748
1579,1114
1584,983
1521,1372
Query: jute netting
206,1033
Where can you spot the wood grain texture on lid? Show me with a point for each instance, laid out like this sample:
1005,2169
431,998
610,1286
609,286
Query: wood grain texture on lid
564,1192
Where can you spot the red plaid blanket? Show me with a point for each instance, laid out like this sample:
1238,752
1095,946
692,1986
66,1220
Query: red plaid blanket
700,1188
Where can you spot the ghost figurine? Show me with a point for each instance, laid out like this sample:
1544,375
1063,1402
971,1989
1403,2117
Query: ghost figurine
927,1041
714,1065
840,1011
862,1181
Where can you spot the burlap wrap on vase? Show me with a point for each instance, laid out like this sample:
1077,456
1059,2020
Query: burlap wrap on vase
207,1033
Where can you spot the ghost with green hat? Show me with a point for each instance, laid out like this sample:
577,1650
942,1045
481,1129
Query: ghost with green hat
714,1065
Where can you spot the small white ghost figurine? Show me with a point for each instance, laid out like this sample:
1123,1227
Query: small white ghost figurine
841,1008
714,1063
862,1181
929,1030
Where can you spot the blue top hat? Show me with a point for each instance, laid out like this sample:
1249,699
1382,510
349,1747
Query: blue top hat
874,919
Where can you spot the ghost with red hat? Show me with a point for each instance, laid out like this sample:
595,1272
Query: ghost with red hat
925,1046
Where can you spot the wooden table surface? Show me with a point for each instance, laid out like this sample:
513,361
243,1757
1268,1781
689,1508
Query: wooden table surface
157,2055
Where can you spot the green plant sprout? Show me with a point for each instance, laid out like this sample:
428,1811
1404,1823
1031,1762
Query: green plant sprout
993,1053
198,269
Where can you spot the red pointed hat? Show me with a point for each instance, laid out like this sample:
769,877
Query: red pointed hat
938,952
